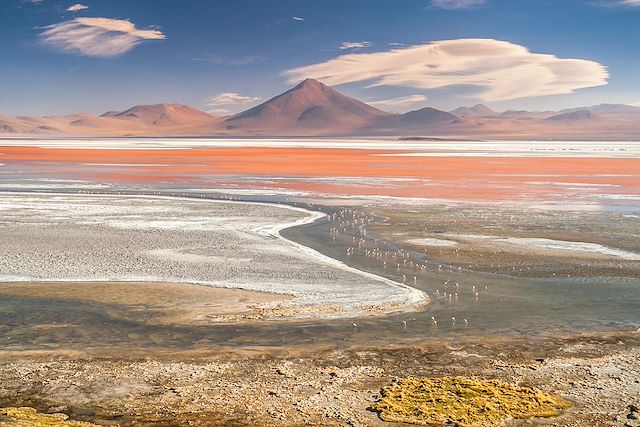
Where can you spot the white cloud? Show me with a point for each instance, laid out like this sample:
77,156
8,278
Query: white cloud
617,3
355,45
221,60
77,7
219,111
397,104
490,70
457,4
297,18
97,36
228,102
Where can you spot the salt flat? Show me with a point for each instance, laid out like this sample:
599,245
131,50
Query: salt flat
428,241
56,237
542,244
461,148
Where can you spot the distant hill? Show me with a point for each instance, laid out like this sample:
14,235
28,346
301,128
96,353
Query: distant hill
478,110
573,116
314,109
419,121
161,114
606,109
141,120
427,115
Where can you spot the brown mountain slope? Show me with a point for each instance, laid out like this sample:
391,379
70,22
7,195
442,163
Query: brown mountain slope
162,114
310,107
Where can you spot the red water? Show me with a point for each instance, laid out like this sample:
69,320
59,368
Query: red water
356,172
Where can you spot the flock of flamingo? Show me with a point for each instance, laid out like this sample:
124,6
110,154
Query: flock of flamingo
348,226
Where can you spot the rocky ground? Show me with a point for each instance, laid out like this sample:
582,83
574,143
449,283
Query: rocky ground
599,374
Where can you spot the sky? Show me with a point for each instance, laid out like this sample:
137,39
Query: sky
63,57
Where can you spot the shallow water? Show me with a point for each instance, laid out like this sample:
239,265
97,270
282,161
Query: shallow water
509,306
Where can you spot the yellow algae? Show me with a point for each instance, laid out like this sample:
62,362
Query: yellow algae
463,401
29,417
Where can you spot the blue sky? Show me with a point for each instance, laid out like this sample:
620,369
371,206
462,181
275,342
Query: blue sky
227,55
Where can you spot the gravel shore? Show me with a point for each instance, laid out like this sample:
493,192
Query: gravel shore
317,387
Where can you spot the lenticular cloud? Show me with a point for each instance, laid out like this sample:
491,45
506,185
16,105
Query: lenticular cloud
97,36
495,70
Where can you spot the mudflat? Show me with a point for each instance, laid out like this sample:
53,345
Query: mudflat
163,303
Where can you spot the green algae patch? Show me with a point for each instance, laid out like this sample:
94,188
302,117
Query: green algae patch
29,417
463,401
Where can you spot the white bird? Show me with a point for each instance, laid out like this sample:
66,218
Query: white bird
453,320
355,325
404,324
466,322
433,320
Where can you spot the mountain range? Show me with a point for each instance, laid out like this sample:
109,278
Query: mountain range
314,109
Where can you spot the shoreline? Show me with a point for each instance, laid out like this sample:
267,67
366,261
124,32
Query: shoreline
415,299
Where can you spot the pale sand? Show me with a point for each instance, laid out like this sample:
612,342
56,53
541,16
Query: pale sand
165,303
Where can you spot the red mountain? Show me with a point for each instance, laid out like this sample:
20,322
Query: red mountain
310,107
